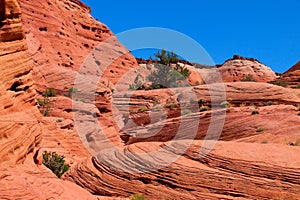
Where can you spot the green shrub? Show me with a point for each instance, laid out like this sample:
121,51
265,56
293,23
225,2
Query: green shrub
248,78
41,102
279,83
71,91
166,76
138,197
204,108
270,103
171,105
255,112
143,109
49,92
225,104
243,104
296,86
55,162
201,101
186,112
138,83
82,100
260,129
44,106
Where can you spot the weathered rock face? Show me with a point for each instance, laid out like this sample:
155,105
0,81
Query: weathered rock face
239,68
60,35
292,76
20,131
19,118
66,43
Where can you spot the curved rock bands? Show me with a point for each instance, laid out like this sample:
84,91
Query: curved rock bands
10,21
19,128
239,123
227,172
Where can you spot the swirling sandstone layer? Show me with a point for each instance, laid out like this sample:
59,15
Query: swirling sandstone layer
19,118
230,171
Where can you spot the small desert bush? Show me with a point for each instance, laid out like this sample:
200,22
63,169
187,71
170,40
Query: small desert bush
44,106
243,104
49,92
248,78
270,103
255,112
138,197
225,104
279,83
171,105
143,109
296,86
260,129
72,91
201,101
204,108
186,112
55,162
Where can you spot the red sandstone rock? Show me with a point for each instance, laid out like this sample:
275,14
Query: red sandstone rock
231,170
60,34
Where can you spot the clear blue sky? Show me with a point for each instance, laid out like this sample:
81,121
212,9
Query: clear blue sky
263,29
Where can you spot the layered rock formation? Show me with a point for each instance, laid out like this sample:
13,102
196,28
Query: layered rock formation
19,118
236,69
292,76
60,36
21,122
232,170
243,69
239,121
256,157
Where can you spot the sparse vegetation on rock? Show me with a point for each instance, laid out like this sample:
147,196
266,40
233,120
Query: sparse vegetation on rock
171,105
281,83
44,106
55,162
225,104
260,129
296,86
49,92
248,78
71,91
138,197
167,74
255,112
204,108
186,112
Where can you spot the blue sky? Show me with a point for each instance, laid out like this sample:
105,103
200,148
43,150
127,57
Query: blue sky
266,30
